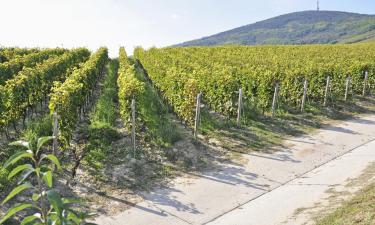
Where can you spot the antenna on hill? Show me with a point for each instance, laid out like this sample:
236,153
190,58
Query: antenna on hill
317,5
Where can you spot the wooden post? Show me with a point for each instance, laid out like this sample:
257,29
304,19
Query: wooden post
326,91
365,83
239,110
197,115
87,101
55,144
275,97
78,113
133,126
304,95
347,87
82,113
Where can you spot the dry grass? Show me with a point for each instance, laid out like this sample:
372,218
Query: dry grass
358,210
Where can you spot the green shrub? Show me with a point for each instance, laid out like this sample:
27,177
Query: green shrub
37,177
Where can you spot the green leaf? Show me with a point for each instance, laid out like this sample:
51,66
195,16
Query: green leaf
81,215
25,175
35,197
73,217
42,141
53,217
47,177
21,144
16,191
71,201
88,215
15,210
55,200
16,157
53,159
29,220
19,169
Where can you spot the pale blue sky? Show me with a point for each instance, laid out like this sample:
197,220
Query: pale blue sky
93,23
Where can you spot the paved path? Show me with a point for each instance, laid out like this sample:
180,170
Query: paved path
279,205
277,184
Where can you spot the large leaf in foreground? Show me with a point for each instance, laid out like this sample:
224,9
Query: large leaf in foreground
16,191
16,157
53,159
19,169
15,210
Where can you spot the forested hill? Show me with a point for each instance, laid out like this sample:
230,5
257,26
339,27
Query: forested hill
307,27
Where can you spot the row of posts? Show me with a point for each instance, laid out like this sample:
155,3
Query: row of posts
239,110
275,99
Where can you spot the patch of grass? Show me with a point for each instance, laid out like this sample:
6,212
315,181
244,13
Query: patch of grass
359,210
99,144
159,128
102,131
105,111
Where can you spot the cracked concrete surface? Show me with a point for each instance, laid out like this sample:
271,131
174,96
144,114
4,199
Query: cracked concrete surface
265,190
279,205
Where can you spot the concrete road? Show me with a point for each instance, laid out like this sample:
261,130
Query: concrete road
279,205
265,190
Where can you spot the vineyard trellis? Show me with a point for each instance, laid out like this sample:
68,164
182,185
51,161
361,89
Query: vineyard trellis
219,72
32,85
129,89
70,97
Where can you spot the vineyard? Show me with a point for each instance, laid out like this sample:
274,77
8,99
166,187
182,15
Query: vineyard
219,73
104,112
7,54
13,66
32,85
156,83
69,98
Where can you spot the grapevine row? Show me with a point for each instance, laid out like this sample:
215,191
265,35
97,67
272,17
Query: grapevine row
7,54
12,67
68,98
32,85
219,72
129,86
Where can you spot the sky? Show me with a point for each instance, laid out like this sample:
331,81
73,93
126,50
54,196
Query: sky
146,23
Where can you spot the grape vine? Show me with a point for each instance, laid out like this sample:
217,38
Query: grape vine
218,72
68,98
12,67
129,86
32,85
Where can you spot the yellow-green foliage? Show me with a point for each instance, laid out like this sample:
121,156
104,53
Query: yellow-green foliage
68,98
9,69
218,72
31,85
129,86
8,54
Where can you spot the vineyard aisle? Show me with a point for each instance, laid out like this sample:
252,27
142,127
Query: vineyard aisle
266,188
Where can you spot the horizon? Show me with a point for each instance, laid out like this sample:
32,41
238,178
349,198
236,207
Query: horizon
115,23
363,14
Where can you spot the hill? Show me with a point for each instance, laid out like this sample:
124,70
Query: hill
307,27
